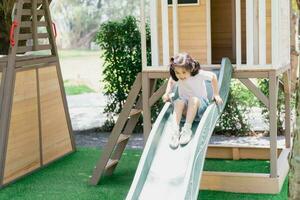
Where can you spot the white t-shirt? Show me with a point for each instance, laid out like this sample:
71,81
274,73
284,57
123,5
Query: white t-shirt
194,86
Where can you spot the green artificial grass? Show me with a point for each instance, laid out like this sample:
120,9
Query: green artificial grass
68,179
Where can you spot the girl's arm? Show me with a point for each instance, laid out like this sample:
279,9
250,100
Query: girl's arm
215,87
166,96
208,75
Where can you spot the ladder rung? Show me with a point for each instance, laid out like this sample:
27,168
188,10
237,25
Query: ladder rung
28,24
29,1
28,12
29,36
111,163
30,48
134,112
123,137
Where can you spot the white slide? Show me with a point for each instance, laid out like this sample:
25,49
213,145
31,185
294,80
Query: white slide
164,173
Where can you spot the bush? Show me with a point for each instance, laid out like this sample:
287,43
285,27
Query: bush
120,42
264,86
233,120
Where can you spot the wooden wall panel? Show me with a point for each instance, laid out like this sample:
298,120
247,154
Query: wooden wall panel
193,26
192,31
23,149
55,134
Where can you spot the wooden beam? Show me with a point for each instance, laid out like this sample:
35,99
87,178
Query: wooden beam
208,33
175,27
240,182
273,91
257,92
143,35
250,31
262,33
156,95
287,95
154,33
146,105
165,31
238,32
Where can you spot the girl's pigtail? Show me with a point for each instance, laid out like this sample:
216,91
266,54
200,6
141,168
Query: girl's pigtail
196,68
172,69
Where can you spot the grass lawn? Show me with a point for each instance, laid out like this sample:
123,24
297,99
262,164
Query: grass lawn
75,89
68,179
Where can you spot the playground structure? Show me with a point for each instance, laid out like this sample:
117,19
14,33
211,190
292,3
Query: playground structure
255,35
35,127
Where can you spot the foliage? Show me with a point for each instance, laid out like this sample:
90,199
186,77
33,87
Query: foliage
264,86
5,23
78,20
233,120
120,42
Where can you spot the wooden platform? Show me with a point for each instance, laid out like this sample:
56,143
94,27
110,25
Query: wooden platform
245,182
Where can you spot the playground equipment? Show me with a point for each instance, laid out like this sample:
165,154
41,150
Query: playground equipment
162,169
255,35
35,127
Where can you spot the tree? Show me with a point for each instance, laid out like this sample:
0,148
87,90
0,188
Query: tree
294,181
79,20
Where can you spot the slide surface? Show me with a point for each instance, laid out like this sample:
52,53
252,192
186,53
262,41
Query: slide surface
167,174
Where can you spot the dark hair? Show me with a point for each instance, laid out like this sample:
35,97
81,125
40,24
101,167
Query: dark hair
185,61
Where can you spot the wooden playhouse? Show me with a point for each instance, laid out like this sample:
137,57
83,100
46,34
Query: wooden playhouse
35,127
255,35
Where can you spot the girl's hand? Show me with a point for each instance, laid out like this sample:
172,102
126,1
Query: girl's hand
166,97
218,99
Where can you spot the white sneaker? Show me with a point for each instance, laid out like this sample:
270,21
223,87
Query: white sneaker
174,140
185,136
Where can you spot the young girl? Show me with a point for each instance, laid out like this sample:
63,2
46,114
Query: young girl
192,95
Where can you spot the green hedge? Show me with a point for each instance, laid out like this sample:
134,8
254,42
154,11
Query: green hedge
120,43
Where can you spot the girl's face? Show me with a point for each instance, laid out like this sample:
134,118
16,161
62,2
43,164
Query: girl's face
181,73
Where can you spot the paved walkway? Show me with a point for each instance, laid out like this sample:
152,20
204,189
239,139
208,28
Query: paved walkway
86,112
93,139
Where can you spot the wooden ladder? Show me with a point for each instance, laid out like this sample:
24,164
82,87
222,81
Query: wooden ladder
121,133
33,11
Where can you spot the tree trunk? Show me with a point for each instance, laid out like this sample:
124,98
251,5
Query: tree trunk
294,179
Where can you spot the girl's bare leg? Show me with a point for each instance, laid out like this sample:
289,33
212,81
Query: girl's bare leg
179,107
193,106
186,133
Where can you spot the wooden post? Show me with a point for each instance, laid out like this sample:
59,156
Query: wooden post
154,33
275,30
262,33
208,34
143,35
165,31
250,31
273,91
287,95
238,33
175,27
146,105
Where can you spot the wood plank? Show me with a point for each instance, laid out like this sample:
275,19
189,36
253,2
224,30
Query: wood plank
23,149
244,152
56,140
273,90
240,182
24,49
